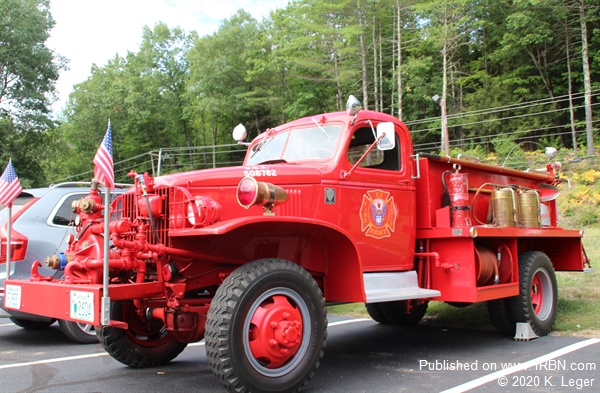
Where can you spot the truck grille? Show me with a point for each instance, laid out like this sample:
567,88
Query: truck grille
125,206
293,206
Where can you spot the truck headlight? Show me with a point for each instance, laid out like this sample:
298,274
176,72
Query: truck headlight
208,211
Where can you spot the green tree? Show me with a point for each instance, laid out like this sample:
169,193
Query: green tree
28,69
28,72
231,80
144,95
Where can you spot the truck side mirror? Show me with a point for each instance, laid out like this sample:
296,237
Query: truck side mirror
388,142
239,133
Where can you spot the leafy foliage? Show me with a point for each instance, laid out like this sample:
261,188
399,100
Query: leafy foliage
502,66
28,71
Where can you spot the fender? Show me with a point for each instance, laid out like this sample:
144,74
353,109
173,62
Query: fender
342,266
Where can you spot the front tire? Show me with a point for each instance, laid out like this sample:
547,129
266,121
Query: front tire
266,328
144,344
78,332
538,295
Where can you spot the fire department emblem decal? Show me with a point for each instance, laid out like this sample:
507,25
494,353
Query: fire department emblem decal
378,214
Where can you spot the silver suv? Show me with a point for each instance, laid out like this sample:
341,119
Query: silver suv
41,221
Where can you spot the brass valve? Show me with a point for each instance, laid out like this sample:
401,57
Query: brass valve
53,261
87,205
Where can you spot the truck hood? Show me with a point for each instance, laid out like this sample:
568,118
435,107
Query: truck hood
231,176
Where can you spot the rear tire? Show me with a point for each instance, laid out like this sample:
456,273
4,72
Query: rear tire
404,312
28,324
374,310
501,316
144,344
79,332
536,302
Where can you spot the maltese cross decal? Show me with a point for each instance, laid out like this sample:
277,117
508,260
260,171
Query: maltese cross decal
378,214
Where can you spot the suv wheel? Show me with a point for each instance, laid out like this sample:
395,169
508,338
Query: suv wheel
79,332
32,325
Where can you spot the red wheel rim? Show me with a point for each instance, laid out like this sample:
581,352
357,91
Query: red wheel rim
542,294
275,331
276,335
537,293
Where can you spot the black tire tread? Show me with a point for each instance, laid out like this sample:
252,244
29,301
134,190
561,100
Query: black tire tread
218,325
118,345
375,312
501,316
521,305
395,312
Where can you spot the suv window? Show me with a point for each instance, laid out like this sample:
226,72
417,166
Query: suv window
64,215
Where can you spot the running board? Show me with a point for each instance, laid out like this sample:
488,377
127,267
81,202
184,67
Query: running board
387,287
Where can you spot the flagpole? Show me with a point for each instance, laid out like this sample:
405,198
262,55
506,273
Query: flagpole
9,225
105,297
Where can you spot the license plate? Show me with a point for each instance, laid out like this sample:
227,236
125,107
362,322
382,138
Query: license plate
12,297
82,306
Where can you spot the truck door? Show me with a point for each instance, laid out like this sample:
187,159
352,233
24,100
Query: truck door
377,202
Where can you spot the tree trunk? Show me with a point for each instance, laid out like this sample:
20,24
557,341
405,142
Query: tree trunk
340,102
214,135
363,53
393,92
571,111
445,138
586,80
380,70
375,76
399,59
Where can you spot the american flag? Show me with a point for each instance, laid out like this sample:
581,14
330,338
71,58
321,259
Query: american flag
10,186
103,162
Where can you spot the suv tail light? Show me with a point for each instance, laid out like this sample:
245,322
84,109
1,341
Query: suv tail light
18,241
18,245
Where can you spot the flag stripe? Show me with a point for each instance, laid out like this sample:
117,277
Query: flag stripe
103,161
10,186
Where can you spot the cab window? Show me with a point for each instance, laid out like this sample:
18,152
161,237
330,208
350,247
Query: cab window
362,139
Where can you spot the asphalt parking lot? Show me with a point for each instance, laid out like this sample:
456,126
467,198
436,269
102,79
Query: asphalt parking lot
361,356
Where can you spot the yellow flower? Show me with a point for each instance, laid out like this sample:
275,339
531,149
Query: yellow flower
589,177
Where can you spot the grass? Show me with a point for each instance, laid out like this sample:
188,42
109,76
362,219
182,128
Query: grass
579,294
578,302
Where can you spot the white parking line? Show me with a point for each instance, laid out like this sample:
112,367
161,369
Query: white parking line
95,355
55,360
511,370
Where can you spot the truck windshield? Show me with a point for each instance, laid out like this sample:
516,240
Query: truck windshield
295,145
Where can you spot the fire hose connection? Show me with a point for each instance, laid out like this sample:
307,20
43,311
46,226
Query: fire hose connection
57,262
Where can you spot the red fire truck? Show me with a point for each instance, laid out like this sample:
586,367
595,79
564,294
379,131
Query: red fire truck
333,208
